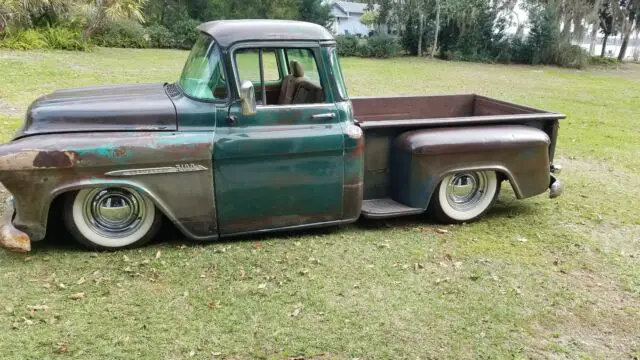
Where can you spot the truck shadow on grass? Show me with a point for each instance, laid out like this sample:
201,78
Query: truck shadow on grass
58,238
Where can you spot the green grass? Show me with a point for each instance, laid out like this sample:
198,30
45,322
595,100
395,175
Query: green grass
534,279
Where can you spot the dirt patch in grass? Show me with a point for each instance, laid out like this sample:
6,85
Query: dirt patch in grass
603,322
8,110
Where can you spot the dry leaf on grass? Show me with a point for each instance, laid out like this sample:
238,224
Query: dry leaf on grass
214,304
158,254
34,308
62,348
442,231
78,296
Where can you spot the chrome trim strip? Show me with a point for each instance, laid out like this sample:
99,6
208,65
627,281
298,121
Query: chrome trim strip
180,168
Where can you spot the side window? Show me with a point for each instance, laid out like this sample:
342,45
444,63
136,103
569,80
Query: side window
248,63
296,83
305,58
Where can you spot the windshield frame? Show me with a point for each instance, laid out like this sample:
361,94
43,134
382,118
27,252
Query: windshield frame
213,46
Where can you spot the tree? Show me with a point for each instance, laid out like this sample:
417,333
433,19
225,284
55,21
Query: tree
99,11
607,25
594,18
32,12
315,11
630,15
434,46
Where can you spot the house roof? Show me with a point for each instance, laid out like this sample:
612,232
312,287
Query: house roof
227,32
351,7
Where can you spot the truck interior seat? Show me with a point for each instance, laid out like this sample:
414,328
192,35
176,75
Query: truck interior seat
288,88
308,93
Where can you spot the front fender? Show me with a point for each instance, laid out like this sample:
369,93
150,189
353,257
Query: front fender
422,158
173,168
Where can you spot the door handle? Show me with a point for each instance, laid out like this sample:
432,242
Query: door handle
325,116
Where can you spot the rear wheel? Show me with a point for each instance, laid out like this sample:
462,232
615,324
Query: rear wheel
464,196
111,218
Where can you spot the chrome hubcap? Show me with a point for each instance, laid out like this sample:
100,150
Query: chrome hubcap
465,190
114,212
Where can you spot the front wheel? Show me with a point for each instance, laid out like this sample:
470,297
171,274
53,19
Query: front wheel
464,196
111,218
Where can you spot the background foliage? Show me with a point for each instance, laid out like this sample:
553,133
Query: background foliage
463,30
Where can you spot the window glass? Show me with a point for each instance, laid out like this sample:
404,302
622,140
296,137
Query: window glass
308,62
203,76
337,74
248,64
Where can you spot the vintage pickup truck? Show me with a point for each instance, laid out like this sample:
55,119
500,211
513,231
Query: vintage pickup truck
258,134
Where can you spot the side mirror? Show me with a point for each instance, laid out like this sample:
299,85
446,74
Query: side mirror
247,98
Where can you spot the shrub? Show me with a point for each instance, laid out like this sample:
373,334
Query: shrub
571,56
24,40
603,61
160,37
121,33
185,33
62,38
347,45
382,46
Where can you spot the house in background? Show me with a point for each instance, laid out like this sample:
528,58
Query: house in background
347,18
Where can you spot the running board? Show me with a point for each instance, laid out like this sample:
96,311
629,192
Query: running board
386,208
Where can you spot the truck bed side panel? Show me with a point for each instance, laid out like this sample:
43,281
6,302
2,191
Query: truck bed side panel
421,158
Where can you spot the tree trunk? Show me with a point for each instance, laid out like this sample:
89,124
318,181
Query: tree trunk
93,26
437,32
566,28
594,39
604,45
420,31
623,48
595,15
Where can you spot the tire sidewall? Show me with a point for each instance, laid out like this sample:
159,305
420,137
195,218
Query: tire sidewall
447,213
76,223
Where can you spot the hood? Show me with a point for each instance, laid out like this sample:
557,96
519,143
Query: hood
138,107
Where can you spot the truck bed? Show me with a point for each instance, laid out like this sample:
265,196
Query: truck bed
383,119
443,110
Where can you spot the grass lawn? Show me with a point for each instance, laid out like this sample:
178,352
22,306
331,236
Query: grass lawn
537,278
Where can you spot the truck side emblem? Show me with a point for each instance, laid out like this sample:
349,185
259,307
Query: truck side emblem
179,168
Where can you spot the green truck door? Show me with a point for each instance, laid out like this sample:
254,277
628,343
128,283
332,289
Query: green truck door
282,167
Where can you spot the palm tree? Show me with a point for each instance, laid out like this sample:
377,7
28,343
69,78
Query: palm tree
101,10
23,11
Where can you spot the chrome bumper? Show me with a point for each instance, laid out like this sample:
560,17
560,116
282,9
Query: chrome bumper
556,187
11,238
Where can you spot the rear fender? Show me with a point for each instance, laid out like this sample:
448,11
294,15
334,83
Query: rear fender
422,158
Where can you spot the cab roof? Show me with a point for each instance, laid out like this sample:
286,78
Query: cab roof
227,32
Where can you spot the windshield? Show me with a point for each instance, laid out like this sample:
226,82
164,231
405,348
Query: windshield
203,76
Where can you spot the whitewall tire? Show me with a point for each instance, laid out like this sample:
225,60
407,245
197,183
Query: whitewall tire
464,196
111,218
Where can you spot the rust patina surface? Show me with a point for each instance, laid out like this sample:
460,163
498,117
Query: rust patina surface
216,171
174,169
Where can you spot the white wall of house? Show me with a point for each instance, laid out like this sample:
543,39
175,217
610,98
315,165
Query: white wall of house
347,18
351,25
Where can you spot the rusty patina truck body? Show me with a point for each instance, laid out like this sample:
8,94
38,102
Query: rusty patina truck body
259,134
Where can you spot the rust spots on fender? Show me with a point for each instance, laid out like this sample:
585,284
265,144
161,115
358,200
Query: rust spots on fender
54,159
